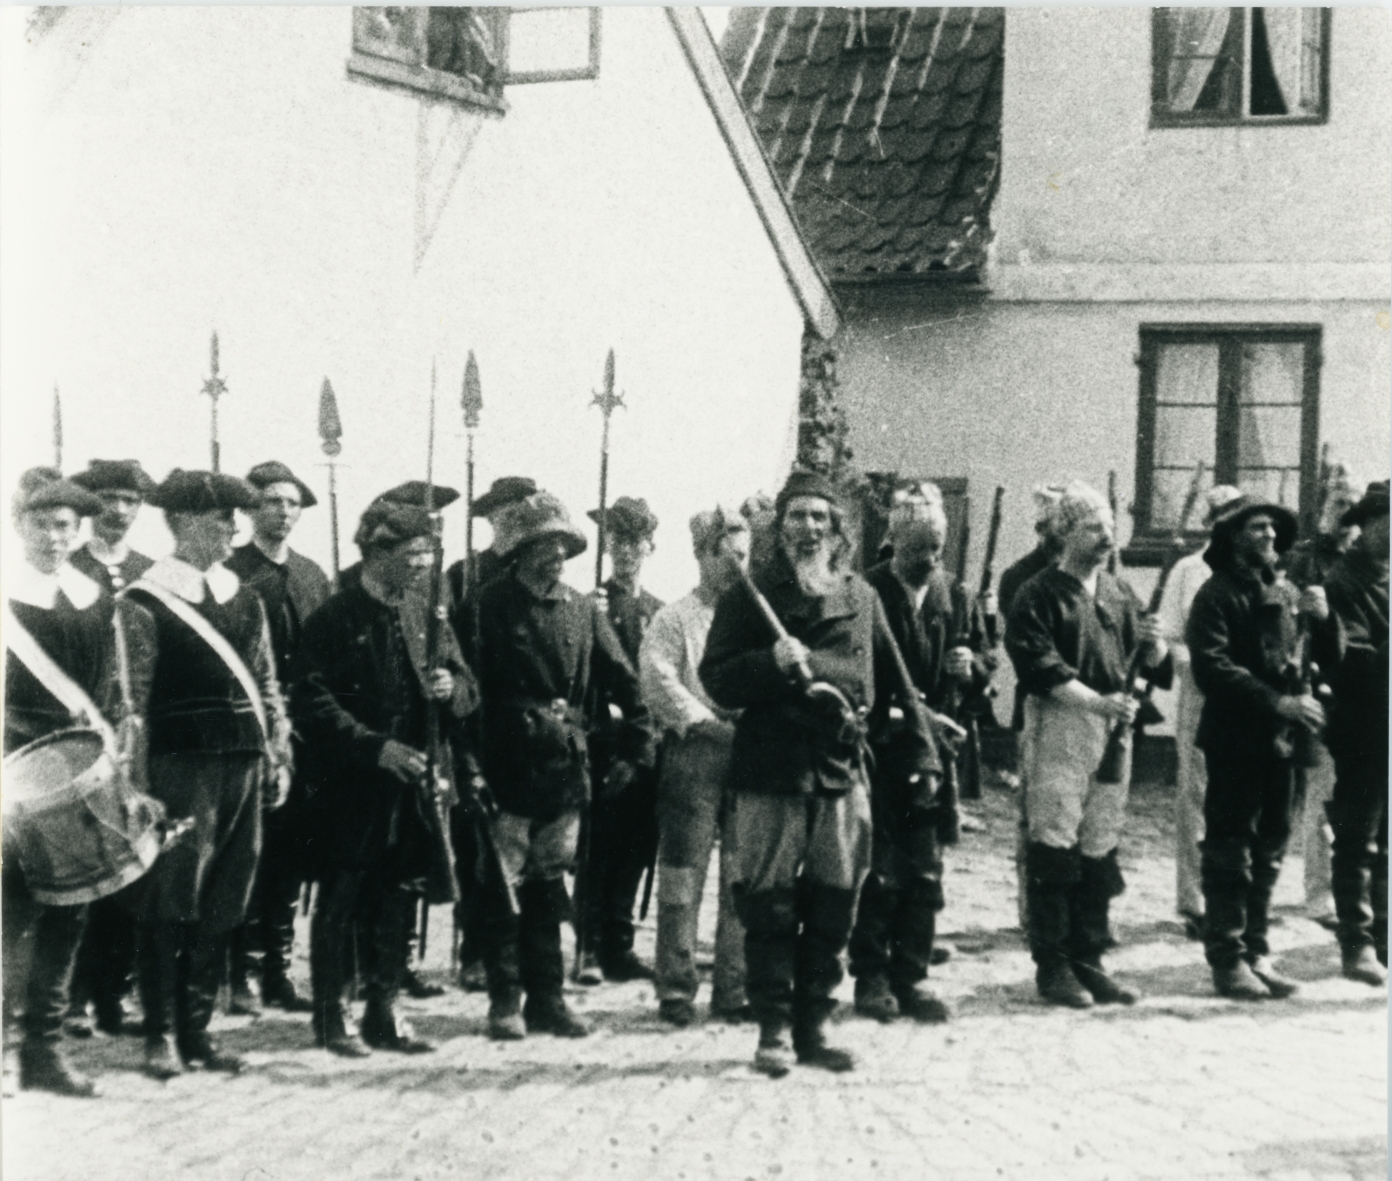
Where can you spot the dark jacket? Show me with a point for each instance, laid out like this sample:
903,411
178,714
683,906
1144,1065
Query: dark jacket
546,668
462,597
629,615
1309,562
80,642
1351,650
1016,575
291,593
1057,632
1241,634
126,573
358,681
785,742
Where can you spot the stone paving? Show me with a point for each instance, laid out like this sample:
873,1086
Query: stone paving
1183,1085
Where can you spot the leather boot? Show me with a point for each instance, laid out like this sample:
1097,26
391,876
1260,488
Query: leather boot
809,1040
384,952
544,905
770,953
505,1022
774,1055
874,1000
1050,875
1099,881
1361,964
869,947
1280,986
204,956
157,976
242,1001
277,990
44,1067
1238,982
383,1029
827,914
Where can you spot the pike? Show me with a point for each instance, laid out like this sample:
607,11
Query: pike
607,401
949,812
330,432
215,387
1114,755
1112,505
57,428
988,572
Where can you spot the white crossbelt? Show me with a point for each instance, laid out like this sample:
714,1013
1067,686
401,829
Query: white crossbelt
72,696
216,641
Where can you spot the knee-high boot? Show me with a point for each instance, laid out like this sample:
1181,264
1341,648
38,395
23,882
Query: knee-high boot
157,976
1051,875
545,906
1099,881
826,914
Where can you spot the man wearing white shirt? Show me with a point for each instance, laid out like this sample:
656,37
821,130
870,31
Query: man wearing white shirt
695,761
1189,573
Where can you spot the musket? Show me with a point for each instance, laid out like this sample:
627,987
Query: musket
1116,523
607,401
330,432
988,568
215,387
1114,755
57,428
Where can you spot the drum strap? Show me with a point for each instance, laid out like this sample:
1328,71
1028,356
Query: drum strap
72,696
217,642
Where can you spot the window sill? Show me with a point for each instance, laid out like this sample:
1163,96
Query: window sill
1158,549
1171,122
434,83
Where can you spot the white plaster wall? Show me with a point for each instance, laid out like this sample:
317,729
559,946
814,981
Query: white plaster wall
168,171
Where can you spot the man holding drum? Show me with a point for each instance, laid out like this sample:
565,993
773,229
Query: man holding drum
58,667
203,677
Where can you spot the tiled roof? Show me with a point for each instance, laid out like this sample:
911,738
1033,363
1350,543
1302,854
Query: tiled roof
883,125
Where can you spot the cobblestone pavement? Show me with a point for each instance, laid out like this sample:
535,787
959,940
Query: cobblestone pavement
1183,1085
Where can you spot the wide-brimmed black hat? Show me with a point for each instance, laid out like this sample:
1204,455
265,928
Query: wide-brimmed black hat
413,492
505,491
1373,504
44,487
116,475
806,483
628,518
263,475
1237,512
203,492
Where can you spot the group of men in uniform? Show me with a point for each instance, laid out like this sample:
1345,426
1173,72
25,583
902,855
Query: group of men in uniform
788,708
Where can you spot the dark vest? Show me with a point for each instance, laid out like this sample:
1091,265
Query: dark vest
196,703
80,642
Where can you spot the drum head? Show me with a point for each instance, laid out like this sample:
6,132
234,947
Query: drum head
48,766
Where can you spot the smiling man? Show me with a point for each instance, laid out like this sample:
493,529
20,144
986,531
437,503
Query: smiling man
292,588
1072,633
800,815
203,677
1241,636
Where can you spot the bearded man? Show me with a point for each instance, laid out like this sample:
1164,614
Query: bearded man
1072,633
800,813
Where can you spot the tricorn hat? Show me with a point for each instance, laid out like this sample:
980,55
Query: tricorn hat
1238,511
1373,504
806,483
44,487
628,517
539,515
505,491
413,492
203,492
263,475
116,475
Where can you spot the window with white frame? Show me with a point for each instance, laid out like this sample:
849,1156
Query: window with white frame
470,54
1239,65
1244,399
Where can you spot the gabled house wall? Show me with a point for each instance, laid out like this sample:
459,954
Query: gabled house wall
177,170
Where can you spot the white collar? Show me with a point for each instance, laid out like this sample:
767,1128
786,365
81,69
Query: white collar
108,555
187,581
38,589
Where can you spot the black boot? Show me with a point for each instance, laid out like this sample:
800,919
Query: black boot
44,1067
1050,876
869,948
770,955
545,906
157,975
241,1001
915,926
1099,881
204,955
1226,869
499,945
826,915
392,912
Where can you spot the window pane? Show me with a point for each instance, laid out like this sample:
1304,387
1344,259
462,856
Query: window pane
1187,373
1273,372
1184,435
463,42
1169,489
1268,436
1311,60
545,40
1279,487
1200,73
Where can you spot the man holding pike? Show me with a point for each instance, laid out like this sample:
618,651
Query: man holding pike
810,659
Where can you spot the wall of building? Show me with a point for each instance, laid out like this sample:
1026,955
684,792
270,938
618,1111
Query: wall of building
171,171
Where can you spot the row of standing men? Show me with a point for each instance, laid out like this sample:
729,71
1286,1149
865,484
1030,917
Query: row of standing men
748,750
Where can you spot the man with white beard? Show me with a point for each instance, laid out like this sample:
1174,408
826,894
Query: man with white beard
811,691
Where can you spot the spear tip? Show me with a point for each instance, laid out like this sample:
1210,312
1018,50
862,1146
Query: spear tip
471,398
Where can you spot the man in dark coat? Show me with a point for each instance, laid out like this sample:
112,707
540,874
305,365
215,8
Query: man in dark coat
122,486
106,958
1072,634
931,618
464,585
203,677
1242,636
1351,648
622,837
292,588
67,615
546,658
800,818
362,689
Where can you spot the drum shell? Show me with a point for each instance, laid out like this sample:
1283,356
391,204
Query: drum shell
68,820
